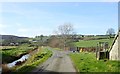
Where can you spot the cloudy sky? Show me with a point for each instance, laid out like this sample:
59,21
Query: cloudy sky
36,18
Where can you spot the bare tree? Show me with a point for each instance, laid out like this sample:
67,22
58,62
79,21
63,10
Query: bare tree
65,29
64,33
110,32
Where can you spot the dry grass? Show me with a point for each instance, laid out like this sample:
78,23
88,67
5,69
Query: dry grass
5,68
7,47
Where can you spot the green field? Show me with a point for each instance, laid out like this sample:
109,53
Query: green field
86,62
92,43
11,54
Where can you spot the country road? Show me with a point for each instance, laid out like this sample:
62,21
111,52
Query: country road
58,62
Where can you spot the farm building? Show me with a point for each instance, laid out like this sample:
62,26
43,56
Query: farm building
114,53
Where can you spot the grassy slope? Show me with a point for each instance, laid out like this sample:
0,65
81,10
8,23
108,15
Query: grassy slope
10,54
34,60
86,62
92,43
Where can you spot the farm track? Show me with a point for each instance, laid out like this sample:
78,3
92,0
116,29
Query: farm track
58,62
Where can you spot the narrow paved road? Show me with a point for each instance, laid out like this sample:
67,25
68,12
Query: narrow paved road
59,62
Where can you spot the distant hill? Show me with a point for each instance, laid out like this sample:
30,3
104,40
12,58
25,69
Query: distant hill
7,39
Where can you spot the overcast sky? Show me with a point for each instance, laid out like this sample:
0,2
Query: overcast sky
36,18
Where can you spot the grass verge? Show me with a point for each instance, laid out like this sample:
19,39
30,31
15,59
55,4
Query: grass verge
86,62
34,60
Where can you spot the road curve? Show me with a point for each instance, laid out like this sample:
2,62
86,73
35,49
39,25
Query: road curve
58,62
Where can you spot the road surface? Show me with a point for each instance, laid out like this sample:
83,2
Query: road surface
59,62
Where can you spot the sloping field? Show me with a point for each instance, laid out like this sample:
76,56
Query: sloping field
92,43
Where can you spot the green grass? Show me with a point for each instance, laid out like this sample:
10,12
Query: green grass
86,62
92,43
11,54
57,49
34,61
